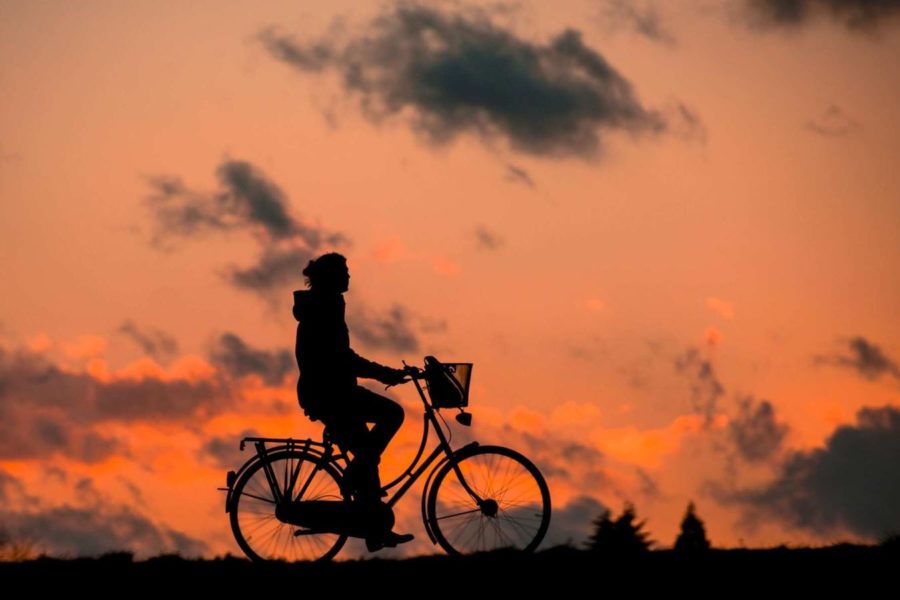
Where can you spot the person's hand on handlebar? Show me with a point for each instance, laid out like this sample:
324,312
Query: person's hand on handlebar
392,377
404,375
413,371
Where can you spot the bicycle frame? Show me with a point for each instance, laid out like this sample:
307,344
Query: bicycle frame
324,451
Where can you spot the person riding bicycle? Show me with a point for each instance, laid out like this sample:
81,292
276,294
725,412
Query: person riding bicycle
327,389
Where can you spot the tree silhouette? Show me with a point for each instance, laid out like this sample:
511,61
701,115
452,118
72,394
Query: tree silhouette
622,536
692,538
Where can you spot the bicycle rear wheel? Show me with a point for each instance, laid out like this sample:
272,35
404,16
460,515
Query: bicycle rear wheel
289,475
510,509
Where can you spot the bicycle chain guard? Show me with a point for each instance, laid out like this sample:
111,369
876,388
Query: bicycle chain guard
354,519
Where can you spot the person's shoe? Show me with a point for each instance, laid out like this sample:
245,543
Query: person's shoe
390,540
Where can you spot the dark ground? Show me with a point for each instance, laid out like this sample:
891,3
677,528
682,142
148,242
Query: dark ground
557,573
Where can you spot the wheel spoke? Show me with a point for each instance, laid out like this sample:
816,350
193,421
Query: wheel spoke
260,498
465,512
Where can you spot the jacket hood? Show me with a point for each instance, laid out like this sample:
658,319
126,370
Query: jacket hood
302,300
308,301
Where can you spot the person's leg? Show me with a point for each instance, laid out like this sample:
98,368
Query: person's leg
386,415
351,435
364,406
366,445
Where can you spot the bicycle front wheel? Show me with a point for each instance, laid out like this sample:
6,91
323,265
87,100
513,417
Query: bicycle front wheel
288,475
487,498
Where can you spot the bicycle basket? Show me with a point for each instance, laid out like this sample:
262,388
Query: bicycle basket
447,383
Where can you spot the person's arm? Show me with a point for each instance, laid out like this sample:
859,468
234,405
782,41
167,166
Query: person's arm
372,370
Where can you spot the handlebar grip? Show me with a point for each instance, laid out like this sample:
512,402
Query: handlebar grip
414,372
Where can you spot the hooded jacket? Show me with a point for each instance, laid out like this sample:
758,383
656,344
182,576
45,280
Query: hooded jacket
328,366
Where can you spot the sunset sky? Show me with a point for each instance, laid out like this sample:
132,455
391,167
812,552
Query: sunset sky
665,233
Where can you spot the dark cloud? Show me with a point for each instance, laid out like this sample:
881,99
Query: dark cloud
686,123
224,451
852,484
573,452
10,488
579,464
45,410
706,389
649,486
233,355
487,239
432,325
755,432
86,492
858,15
182,212
274,268
133,490
154,342
463,73
864,357
75,532
572,524
251,197
247,200
519,175
834,122
156,399
90,527
50,433
642,18
392,330
52,472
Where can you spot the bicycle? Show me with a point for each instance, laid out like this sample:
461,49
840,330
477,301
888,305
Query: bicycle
289,502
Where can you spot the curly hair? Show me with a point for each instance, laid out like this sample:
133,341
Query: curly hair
324,269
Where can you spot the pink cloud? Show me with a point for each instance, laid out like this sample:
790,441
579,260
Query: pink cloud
389,250
445,266
85,347
720,307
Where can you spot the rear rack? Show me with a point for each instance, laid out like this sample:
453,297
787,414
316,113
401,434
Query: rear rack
286,441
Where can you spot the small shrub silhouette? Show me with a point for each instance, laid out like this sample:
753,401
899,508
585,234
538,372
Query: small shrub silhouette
15,550
692,539
621,536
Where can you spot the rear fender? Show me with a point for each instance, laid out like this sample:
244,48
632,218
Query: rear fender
232,477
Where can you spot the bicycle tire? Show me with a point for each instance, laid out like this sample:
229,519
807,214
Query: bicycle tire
515,512
259,533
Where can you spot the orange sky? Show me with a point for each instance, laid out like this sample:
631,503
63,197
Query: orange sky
625,302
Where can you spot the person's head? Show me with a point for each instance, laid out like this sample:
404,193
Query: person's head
328,273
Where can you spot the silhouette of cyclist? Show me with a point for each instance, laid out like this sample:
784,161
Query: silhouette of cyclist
327,389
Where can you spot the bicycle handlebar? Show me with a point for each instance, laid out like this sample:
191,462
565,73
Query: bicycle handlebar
412,372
